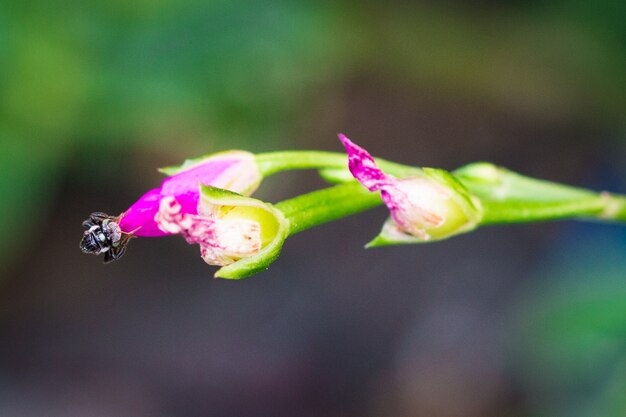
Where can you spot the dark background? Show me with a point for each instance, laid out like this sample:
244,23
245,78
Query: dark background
506,321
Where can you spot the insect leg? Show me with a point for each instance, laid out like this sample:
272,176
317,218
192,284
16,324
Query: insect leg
114,254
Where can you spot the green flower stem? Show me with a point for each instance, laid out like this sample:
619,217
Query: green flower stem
493,183
323,206
601,207
615,208
273,162
506,197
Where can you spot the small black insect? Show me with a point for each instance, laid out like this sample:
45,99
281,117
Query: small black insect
103,235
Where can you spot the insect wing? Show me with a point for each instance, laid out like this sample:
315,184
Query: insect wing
96,219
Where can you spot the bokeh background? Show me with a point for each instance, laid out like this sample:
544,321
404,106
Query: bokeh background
507,321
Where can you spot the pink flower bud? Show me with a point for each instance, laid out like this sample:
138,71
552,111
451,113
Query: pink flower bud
428,205
235,171
222,241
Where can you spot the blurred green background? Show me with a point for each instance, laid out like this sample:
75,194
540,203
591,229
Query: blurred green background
518,321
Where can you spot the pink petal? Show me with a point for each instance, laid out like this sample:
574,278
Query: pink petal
187,181
222,242
407,212
137,219
363,167
236,171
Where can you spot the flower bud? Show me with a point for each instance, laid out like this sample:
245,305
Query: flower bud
430,205
242,234
234,170
249,234
222,241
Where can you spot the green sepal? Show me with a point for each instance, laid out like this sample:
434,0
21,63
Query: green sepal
470,204
468,217
228,203
389,236
190,163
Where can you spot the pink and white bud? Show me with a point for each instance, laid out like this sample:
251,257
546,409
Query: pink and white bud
430,205
222,241
234,240
236,171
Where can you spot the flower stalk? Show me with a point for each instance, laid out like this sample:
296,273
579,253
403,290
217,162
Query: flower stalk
508,197
323,206
330,163
207,201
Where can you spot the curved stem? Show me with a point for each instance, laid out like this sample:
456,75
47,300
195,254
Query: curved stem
506,197
323,206
273,162
531,211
